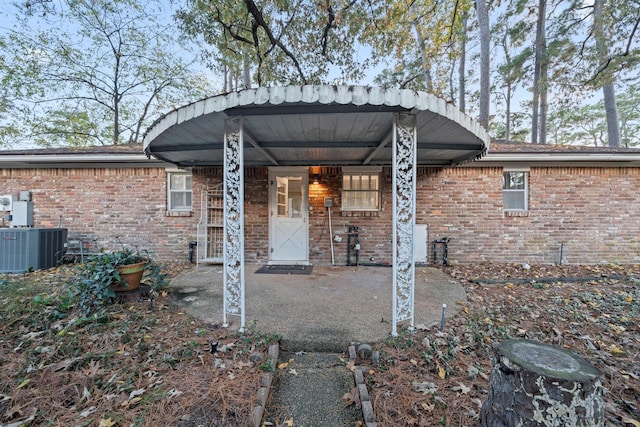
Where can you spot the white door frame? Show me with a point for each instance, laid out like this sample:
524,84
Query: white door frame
303,173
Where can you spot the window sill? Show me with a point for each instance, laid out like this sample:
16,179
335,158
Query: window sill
180,213
516,213
360,214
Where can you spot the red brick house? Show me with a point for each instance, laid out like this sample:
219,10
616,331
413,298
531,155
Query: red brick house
583,197
304,166
586,199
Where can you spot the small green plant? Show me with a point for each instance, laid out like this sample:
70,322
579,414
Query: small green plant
267,366
251,339
93,285
403,340
157,278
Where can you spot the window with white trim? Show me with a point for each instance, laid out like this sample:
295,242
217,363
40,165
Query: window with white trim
179,191
361,189
515,191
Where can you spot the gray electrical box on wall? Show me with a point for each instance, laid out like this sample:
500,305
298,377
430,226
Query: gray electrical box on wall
22,214
328,202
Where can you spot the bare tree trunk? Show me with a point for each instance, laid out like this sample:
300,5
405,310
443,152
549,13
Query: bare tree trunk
246,73
507,122
608,90
462,65
483,24
544,91
428,83
225,72
540,29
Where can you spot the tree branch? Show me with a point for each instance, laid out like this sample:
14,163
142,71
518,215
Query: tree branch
330,24
261,23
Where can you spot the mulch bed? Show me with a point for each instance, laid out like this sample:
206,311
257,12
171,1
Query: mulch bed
441,378
130,367
136,367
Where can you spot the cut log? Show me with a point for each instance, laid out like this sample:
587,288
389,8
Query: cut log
536,384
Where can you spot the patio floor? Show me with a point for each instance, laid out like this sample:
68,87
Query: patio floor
327,310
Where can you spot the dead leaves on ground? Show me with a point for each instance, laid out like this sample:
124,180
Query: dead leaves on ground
441,378
127,366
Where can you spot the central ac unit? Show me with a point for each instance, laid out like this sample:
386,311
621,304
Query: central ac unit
6,202
24,249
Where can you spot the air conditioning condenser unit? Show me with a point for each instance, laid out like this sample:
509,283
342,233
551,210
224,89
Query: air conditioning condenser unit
25,249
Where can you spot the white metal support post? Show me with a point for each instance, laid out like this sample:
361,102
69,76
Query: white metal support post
233,264
404,213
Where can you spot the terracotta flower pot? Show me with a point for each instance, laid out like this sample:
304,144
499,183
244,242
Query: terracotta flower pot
130,276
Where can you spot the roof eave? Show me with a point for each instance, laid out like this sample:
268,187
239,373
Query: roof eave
627,158
77,160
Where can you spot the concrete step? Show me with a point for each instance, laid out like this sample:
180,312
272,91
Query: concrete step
309,391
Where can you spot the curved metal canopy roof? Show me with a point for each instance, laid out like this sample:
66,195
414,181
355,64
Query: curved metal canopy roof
315,125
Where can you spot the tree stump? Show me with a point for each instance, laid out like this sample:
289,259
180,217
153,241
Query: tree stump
535,384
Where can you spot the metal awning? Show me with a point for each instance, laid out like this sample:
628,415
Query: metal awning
315,125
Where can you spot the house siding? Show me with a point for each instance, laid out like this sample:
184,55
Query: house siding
591,211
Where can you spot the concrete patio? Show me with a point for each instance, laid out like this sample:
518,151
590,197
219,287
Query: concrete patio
326,310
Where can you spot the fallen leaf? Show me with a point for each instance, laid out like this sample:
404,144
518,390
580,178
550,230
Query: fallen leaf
93,368
293,372
131,402
25,421
226,347
472,371
461,388
88,411
173,393
242,365
352,397
425,387
615,350
442,373
630,421
86,395
23,383
288,423
137,392
106,422
428,406
283,365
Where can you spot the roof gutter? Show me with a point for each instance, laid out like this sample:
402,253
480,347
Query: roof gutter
67,160
561,157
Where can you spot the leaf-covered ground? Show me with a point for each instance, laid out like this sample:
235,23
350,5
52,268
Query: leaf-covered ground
434,377
135,367
128,367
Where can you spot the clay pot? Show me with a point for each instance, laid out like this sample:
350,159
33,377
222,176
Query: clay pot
130,277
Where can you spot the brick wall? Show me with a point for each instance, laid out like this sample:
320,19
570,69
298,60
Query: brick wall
591,211
106,204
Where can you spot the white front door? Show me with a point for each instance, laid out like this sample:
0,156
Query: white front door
288,216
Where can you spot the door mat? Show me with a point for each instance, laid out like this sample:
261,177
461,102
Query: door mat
285,269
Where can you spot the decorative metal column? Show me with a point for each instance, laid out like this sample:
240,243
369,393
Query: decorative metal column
404,213
233,290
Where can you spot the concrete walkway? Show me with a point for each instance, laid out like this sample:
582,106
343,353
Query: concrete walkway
324,311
